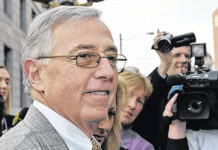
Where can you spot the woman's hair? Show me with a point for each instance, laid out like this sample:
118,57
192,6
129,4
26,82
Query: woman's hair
132,77
113,140
40,40
8,100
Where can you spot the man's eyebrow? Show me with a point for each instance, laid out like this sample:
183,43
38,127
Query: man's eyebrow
81,46
112,48
91,47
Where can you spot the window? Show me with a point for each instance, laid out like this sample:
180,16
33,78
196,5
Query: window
7,56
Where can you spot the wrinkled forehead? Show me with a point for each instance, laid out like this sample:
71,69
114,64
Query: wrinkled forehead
87,24
87,34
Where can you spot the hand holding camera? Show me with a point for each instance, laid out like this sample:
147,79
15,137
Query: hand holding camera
177,128
165,58
167,42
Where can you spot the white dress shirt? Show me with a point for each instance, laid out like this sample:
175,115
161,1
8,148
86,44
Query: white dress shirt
71,134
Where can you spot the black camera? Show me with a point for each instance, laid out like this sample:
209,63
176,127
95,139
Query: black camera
168,41
199,88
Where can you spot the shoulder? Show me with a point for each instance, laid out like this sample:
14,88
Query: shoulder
140,140
34,132
136,141
19,137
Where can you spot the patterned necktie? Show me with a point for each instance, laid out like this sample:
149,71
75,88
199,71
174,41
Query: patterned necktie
95,144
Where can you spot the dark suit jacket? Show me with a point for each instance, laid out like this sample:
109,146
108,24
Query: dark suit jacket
34,132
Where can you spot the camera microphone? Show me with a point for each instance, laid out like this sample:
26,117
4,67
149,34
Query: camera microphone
176,79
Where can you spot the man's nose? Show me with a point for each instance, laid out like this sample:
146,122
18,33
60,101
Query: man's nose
104,70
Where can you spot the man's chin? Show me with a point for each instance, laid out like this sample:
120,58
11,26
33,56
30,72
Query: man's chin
97,115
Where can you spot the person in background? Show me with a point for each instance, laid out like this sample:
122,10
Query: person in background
108,130
5,102
139,88
208,62
173,62
70,64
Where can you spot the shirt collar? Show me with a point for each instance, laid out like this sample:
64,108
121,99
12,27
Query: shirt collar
71,134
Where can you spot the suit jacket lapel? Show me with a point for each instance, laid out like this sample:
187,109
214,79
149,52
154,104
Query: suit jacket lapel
43,130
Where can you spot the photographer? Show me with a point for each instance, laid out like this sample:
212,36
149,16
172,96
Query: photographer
173,62
202,134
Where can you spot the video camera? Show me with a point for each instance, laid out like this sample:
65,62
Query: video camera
199,87
168,41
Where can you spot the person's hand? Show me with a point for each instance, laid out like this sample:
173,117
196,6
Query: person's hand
165,58
177,128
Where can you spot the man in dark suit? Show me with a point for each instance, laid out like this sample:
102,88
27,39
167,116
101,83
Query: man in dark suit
70,63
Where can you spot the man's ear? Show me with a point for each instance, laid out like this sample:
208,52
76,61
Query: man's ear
31,69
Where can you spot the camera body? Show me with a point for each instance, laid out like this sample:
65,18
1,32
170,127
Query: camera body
198,94
168,41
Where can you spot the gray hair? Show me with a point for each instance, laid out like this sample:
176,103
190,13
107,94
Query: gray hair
39,41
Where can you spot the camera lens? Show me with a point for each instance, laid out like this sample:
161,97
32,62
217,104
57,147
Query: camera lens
195,106
164,46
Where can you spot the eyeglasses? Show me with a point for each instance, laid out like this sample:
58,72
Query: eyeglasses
91,60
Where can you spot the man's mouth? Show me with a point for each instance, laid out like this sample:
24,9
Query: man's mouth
106,92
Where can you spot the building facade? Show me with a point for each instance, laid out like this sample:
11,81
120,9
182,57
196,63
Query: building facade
15,17
215,34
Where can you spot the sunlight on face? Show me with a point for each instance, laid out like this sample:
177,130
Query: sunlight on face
80,94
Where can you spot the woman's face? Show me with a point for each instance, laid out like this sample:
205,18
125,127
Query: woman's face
4,83
134,106
105,126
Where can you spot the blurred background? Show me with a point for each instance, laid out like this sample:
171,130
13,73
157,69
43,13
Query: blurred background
133,24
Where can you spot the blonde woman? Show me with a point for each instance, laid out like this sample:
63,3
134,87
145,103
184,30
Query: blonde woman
5,96
140,89
108,129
